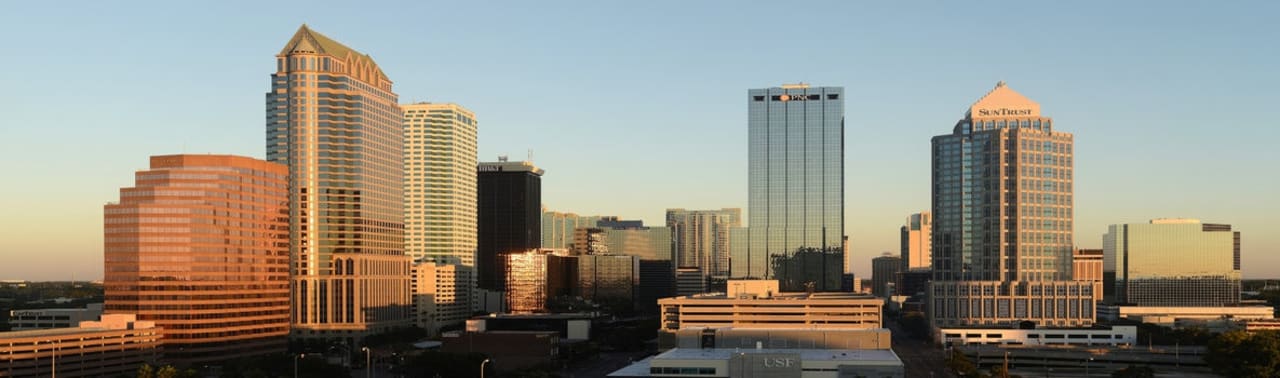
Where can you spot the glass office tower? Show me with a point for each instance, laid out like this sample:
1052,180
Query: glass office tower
334,121
795,187
702,238
1002,219
1172,263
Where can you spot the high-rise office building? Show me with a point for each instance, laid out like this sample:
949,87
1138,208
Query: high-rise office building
441,295
915,242
1002,219
1172,263
702,238
795,187
440,183
609,280
884,271
333,119
199,245
558,228
535,276
510,215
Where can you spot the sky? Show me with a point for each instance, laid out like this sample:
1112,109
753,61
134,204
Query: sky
636,107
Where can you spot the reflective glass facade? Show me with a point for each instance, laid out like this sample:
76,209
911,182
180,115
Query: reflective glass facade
702,238
609,280
509,217
333,119
200,246
1172,263
795,187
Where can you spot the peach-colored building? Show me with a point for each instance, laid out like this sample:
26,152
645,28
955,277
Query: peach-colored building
1087,265
199,245
334,121
114,346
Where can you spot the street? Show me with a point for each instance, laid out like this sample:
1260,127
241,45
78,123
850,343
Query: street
921,359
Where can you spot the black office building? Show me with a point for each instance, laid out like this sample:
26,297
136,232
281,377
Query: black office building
509,217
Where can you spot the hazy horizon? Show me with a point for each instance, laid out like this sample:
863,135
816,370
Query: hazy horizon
635,108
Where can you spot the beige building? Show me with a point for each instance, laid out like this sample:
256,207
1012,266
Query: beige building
993,303
1086,265
916,252
113,346
441,295
334,120
761,306
440,183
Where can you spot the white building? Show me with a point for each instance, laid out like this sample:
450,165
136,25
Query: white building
767,363
440,184
1116,335
53,317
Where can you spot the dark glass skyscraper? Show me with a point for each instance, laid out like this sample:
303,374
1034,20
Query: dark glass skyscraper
509,218
795,187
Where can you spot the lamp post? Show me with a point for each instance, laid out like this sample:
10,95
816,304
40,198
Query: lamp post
295,363
368,366
1086,367
482,367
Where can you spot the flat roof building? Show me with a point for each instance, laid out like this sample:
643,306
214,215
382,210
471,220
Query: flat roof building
769,309
1171,263
509,217
114,346
767,363
45,318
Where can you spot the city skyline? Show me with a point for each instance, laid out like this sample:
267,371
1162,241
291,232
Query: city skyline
1124,110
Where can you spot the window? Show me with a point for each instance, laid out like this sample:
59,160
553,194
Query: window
758,98
833,97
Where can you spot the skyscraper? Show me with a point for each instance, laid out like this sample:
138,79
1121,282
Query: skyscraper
702,238
916,251
333,119
440,183
1002,219
558,228
884,271
510,205
199,245
1172,263
795,187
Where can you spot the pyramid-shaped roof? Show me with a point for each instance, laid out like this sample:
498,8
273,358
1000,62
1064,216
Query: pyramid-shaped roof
1003,101
306,40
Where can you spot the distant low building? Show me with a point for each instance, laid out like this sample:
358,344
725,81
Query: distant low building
510,350
761,306
1116,335
114,346
1173,316
767,363
20,320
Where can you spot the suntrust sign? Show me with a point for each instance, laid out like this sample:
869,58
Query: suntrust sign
1003,112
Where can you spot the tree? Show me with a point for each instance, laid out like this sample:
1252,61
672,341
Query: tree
1135,372
146,371
1243,354
960,364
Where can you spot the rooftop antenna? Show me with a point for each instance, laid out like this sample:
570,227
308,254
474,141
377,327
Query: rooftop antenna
530,154
502,158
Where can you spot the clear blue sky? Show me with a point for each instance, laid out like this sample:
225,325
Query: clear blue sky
636,107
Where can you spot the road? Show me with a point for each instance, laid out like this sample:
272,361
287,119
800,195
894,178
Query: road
921,359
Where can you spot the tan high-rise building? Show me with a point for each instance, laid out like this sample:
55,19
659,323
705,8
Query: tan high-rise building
916,252
199,245
333,119
701,238
441,297
440,183
1003,219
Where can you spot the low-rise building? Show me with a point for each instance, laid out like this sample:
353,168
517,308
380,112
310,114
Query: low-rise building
508,350
767,363
775,338
45,318
1116,335
1171,316
115,345
569,327
761,306
441,296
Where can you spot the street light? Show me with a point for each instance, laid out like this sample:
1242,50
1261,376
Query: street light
295,363
1086,367
368,366
482,367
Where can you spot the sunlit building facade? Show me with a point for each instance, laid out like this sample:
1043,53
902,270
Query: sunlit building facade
702,237
795,187
333,119
1002,219
1172,263
115,346
440,183
916,249
558,228
441,295
199,246
535,276
1086,265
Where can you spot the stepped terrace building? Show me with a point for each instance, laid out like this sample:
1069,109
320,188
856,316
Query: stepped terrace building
750,304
